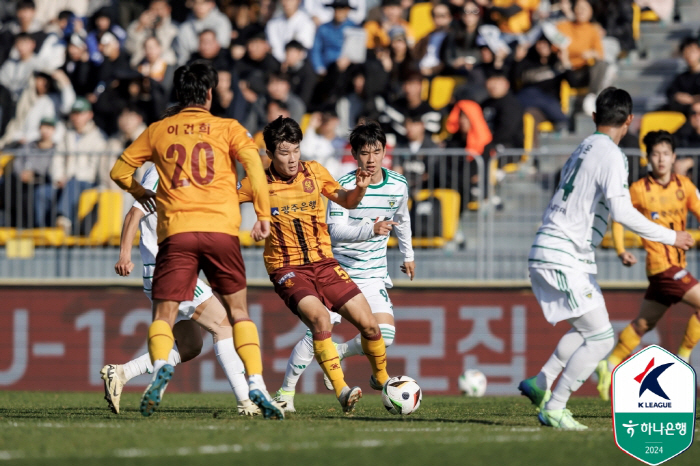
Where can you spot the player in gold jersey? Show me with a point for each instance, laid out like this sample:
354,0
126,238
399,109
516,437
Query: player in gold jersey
664,198
195,155
299,258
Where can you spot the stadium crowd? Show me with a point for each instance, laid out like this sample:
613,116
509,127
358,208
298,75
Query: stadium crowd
80,77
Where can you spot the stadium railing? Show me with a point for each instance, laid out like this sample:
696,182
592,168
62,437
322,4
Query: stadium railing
473,222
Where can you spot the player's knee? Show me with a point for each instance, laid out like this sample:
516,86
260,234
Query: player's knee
642,326
388,334
188,338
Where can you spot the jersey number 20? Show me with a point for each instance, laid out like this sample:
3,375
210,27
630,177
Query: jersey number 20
179,149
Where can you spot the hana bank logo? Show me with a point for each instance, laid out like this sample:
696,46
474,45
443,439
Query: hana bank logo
649,381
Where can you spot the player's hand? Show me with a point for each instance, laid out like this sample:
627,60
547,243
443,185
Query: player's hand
628,259
124,266
261,230
409,268
683,240
148,201
362,178
383,228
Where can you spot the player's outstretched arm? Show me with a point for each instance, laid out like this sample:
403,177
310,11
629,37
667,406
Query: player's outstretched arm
623,212
250,158
351,199
403,233
618,235
124,266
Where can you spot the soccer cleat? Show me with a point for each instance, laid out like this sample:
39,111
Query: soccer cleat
559,419
154,392
326,381
374,383
604,380
537,396
111,374
261,398
248,408
349,397
285,400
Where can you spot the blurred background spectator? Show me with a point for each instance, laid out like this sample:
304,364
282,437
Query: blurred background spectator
685,88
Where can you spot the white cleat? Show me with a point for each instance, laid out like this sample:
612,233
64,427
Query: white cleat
248,408
349,397
113,376
285,400
560,419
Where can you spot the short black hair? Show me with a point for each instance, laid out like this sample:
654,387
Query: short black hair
207,31
653,138
279,103
295,44
24,35
368,133
25,4
192,82
66,14
612,107
281,130
688,41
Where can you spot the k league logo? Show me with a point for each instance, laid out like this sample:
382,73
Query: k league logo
653,404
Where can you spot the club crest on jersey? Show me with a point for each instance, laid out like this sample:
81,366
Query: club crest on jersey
275,211
308,185
289,283
392,202
680,194
654,215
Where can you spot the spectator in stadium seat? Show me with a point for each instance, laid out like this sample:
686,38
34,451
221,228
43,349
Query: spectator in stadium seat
539,76
321,11
469,131
328,42
503,112
114,63
403,63
297,66
278,88
131,124
209,49
512,16
15,72
411,102
81,72
205,15
223,103
392,17
76,166
586,55
409,158
688,137
30,181
460,51
155,21
103,24
685,88
292,23
358,102
428,50
257,57
46,96
25,21
154,65
321,142
615,16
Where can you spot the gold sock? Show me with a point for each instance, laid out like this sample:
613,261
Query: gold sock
691,337
247,342
629,339
375,350
327,357
160,340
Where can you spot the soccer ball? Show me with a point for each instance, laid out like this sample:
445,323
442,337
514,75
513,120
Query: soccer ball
401,395
472,383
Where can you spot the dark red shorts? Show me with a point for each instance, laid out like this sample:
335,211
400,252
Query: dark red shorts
325,280
669,286
181,257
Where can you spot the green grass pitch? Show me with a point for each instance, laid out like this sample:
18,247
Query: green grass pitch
193,429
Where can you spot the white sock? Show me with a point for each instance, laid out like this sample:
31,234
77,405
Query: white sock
350,348
142,364
568,344
233,367
579,367
257,381
156,367
388,334
302,355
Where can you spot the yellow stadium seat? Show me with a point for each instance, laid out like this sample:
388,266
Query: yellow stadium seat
425,89
528,131
655,121
441,90
420,19
636,20
50,236
305,122
4,160
566,92
450,203
7,234
649,16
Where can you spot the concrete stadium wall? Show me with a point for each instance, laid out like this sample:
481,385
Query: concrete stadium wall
58,338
